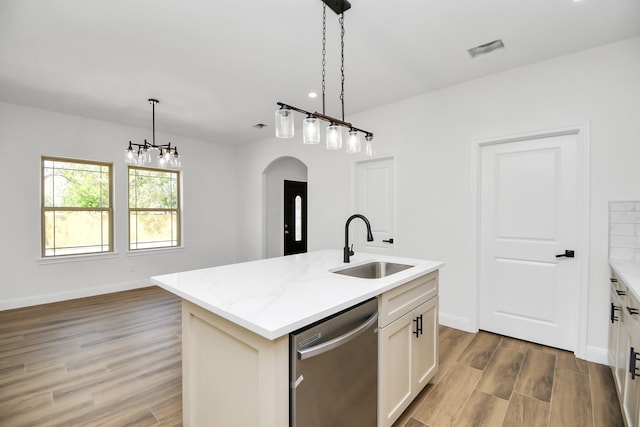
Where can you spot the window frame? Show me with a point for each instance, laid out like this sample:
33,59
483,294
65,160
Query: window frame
177,210
44,209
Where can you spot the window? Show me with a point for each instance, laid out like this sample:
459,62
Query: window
154,208
77,215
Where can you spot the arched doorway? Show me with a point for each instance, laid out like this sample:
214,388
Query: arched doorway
276,176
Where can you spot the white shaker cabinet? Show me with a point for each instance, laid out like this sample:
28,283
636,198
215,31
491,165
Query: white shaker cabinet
617,338
407,342
631,400
624,348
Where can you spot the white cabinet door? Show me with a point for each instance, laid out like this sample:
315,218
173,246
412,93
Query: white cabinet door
614,328
424,351
408,359
631,399
395,376
621,354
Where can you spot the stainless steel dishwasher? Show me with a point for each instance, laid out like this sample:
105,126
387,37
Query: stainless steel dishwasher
334,370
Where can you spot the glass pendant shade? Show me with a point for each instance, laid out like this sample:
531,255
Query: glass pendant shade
284,123
145,157
368,148
334,137
162,159
311,130
354,144
130,157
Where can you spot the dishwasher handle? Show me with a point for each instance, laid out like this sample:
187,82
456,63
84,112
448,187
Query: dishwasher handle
337,341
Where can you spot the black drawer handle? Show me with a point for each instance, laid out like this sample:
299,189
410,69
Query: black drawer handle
614,280
621,293
418,330
633,359
614,308
633,311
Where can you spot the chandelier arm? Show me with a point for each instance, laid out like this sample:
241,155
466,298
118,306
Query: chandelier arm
332,120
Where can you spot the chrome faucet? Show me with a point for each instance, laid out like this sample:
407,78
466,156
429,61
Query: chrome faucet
349,251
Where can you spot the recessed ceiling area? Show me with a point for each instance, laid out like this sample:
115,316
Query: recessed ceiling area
218,68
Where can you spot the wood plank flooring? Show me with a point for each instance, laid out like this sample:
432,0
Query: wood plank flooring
494,381
115,360
111,360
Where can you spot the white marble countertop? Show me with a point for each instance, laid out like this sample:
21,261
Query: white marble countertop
629,272
276,296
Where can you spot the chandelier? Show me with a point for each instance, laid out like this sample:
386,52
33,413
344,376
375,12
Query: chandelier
311,122
150,154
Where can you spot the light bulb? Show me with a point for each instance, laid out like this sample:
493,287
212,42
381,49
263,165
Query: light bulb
284,122
334,137
311,130
354,144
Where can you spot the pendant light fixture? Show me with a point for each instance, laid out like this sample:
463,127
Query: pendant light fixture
311,124
150,154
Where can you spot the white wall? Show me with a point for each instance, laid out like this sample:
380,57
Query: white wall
432,135
26,134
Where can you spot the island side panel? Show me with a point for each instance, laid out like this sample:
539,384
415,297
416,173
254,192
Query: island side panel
231,376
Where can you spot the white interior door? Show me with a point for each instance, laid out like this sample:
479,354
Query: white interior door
375,199
528,215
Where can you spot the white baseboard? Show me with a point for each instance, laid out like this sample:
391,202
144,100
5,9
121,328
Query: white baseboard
598,355
457,322
73,294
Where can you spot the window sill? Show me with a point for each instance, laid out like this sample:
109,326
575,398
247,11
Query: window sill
154,251
60,259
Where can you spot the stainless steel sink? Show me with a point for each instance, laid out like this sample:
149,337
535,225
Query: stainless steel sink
373,270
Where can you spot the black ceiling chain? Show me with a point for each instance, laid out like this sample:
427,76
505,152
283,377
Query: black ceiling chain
341,19
324,49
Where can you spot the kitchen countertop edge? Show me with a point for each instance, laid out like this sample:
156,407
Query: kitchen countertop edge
204,288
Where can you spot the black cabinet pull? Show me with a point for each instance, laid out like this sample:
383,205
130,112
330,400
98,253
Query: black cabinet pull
633,359
614,280
418,330
620,293
614,308
633,311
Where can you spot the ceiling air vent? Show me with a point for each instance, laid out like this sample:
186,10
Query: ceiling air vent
486,48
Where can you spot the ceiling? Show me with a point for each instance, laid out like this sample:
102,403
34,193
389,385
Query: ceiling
218,67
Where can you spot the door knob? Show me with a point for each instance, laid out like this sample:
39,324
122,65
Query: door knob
389,241
567,253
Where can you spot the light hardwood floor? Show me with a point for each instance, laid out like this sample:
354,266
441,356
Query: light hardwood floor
489,380
115,360
112,360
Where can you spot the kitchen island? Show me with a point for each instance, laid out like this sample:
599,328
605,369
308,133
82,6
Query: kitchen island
236,324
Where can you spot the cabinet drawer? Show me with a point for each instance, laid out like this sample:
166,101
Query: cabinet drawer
399,301
618,286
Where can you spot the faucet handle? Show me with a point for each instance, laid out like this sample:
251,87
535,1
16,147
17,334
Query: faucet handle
351,250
